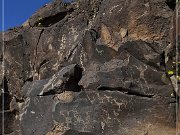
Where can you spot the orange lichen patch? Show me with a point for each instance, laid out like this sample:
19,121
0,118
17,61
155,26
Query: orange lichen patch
138,32
106,34
142,32
66,97
107,37
123,32
143,26
57,130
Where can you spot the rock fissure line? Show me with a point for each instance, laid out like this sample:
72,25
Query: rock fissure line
44,62
151,64
71,52
53,91
35,55
125,91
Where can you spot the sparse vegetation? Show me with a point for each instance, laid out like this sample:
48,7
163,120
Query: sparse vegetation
170,72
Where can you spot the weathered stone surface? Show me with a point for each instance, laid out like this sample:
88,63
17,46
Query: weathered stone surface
111,60
100,112
68,77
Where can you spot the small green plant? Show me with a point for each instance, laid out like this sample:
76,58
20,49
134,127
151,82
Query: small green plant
176,62
170,72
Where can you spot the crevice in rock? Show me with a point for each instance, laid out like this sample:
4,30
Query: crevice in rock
6,95
30,79
162,60
94,34
69,82
35,55
71,52
171,4
6,89
143,60
153,65
50,20
1,58
173,102
125,91
43,63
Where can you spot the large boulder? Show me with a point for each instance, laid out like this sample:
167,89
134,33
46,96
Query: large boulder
92,67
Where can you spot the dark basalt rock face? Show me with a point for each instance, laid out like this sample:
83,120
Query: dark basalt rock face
92,67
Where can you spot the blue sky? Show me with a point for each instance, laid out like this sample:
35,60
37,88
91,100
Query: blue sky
18,11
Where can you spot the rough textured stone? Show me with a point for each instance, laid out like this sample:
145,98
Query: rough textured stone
92,67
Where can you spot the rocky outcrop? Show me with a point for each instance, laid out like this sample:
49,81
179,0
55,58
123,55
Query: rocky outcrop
92,67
